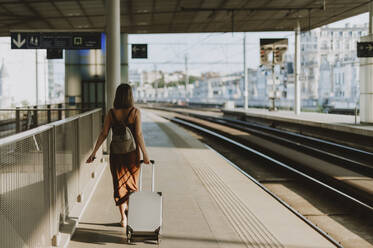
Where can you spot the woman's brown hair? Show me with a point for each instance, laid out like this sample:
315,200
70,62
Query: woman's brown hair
123,97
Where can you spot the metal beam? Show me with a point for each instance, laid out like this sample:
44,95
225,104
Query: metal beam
60,12
36,13
130,15
195,14
84,13
12,14
177,6
37,1
213,15
253,12
180,27
279,24
292,13
153,10
246,9
339,14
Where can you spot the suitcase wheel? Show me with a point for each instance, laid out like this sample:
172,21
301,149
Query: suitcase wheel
158,237
129,235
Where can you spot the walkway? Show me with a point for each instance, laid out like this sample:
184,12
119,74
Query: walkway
207,203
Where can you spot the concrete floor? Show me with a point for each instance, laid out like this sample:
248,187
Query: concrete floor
207,203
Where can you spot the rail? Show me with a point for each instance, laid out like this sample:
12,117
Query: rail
44,179
278,163
358,202
15,120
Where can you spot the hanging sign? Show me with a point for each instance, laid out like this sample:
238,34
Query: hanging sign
364,49
139,51
58,40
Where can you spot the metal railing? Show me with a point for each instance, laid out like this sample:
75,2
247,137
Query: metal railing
44,178
15,120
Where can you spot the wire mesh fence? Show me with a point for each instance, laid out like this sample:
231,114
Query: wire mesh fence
20,119
43,178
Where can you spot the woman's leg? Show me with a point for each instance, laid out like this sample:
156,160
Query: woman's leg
122,208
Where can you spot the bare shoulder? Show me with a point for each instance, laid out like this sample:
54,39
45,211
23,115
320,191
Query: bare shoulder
137,111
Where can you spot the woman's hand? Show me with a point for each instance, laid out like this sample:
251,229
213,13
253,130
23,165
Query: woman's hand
146,159
91,158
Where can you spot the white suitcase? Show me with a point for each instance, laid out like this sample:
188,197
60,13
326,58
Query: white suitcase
144,213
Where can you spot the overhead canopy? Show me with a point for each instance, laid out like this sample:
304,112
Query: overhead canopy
176,16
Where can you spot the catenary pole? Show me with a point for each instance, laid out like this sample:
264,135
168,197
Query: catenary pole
36,77
297,96
246,84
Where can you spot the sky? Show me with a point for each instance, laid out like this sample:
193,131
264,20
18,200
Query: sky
219,52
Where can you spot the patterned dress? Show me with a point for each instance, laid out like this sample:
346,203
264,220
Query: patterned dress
124,167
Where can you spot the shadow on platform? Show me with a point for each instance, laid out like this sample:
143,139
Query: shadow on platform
99,236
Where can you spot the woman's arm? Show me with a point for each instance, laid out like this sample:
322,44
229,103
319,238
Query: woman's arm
140,138
104,133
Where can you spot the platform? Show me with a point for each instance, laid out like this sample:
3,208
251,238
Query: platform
207,202
336,122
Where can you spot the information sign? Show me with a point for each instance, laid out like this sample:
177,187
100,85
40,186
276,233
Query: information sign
139,51
364,49
59,40
53,53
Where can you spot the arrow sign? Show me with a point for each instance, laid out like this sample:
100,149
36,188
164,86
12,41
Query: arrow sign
139,51
364,49
56,40
19,42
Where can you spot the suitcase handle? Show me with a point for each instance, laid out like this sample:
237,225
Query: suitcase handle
153,171
151,161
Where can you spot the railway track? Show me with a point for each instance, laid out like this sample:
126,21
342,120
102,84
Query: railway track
349,157
348,179
359,202
346,168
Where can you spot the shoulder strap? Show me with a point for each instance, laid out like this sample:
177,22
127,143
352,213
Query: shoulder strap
119,121
113,115
129,113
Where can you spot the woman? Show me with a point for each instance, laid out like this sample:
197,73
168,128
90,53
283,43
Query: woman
124,167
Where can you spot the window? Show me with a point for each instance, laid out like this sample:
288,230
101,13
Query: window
324,45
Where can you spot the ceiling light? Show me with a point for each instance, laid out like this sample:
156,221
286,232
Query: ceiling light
73,14
83,26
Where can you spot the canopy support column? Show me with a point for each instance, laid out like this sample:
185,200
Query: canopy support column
112,50
246,83
366,77
297,94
